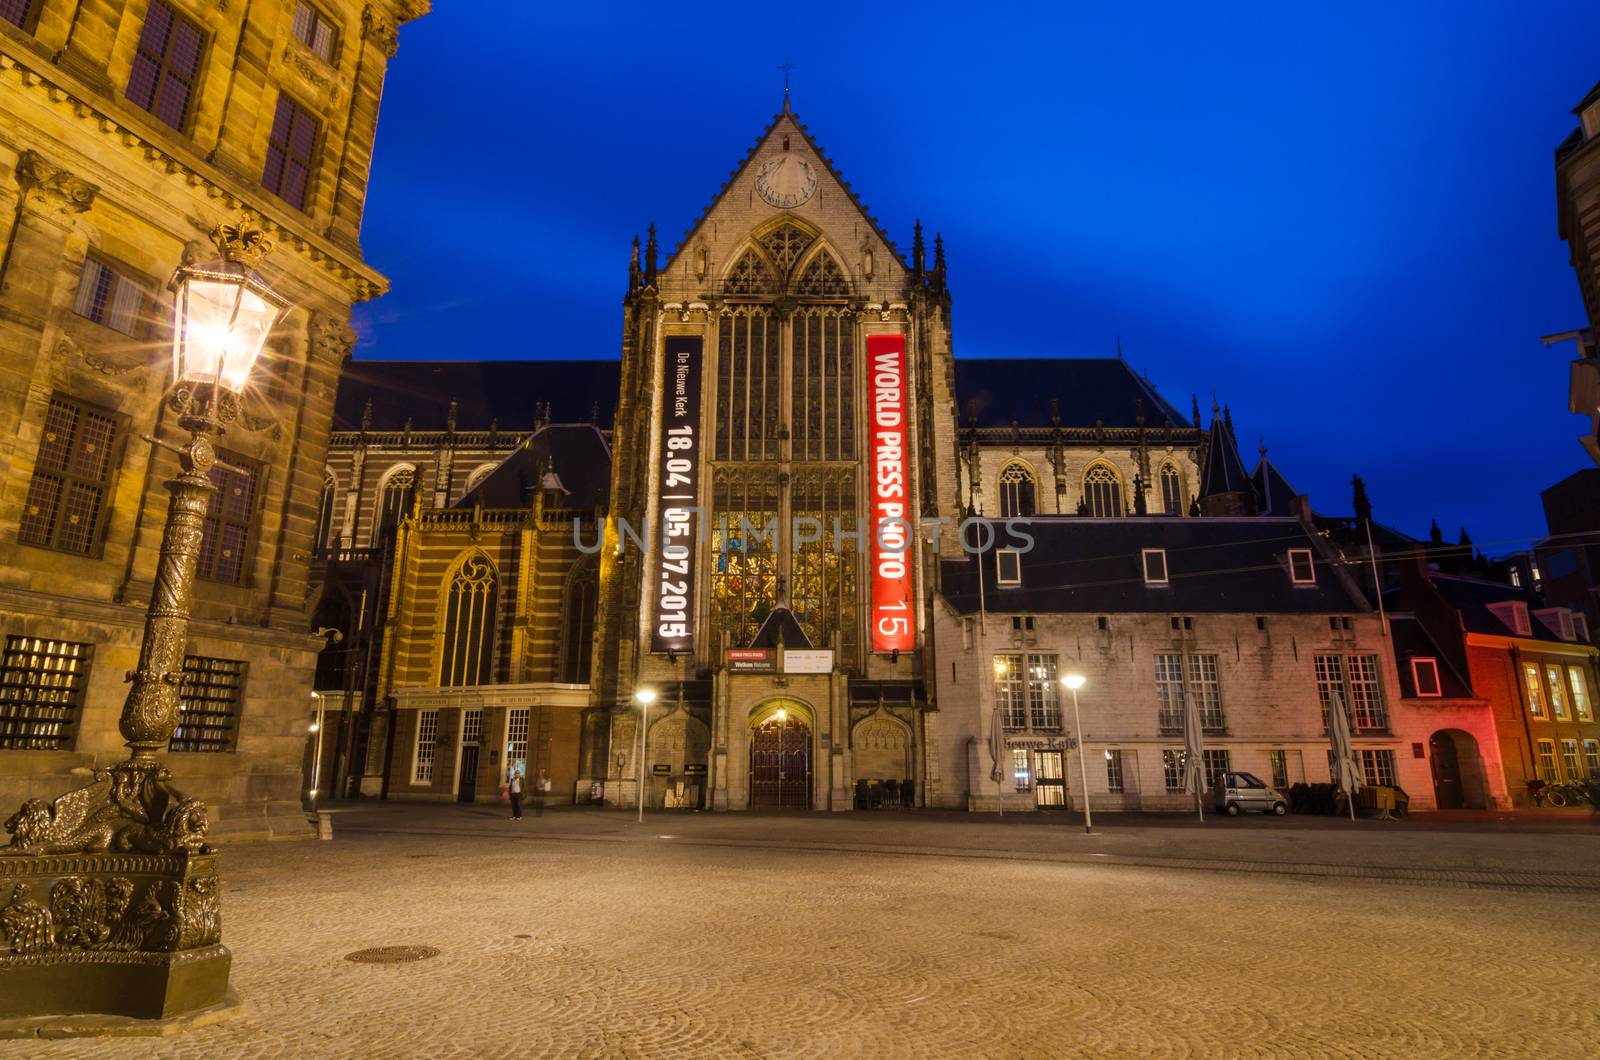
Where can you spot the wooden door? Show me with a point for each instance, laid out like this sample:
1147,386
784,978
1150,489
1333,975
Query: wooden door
780,765
1446,771
468,789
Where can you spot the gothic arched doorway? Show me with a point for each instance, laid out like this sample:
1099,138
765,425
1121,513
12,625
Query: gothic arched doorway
780,758
1458,777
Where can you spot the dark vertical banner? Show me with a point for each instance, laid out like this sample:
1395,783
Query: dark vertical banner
891,521
677,493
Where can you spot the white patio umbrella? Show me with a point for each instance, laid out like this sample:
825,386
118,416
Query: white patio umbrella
1194,761
1346,766
997,751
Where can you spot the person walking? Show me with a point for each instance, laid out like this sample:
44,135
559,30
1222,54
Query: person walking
541,788
514,790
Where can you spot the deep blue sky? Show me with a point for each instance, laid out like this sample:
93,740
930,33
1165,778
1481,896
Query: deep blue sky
1340,218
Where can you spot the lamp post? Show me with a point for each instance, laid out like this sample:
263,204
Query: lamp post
1073,682
315,729
139,843
645,697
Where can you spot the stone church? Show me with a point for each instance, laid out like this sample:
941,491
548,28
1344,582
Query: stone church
788,552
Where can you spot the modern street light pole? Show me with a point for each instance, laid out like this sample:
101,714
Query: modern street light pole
645,697
1074,682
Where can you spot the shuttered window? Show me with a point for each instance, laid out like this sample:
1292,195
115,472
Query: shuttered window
228,519
289,152
107,296
68,498
166,65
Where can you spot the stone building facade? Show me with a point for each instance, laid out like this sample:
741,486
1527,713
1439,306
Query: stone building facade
1578,222
129,129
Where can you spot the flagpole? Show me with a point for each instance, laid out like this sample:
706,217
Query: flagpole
1377,584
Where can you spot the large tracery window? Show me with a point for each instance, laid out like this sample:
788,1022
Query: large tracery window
1017,491
1102,492
748,276
1171,490
823,411
748,385
744,550
784,245
577,632
469,625
823,578
823,278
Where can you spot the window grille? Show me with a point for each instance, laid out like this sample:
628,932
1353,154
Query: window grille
744,548
394,499
229,516
1207,691
1169,693
1010,686
427,741
1044,706
1021,771
1279,761
469,625
1569,759
208,705
315,30
748,384
823,278
166,64
110,298
1352,682
1580,694
1216,763
472,727
823,412
66,505
19,12
1102,492
1547,762
516,736
1558,699
1114,782
290,148
1591,758
1171,490
41,693
1377,767
1017,492
1172,770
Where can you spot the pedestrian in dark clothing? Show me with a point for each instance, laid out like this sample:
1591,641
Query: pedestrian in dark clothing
514,789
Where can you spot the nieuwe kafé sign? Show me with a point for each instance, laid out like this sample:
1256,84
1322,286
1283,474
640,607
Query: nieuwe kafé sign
677,487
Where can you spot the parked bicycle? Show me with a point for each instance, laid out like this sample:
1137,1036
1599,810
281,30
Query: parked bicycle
1572,793
1543,793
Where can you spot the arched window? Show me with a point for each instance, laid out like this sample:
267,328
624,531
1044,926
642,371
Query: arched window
749,275
577,631
1102,492
475,479
394,498
823,279
1017,491
324,517
1171,490
469,625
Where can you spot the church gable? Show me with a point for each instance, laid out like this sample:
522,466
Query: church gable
785,222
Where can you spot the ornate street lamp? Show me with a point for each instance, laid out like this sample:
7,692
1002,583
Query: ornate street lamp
114,900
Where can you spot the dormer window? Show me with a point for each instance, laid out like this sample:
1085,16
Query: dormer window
1008,567
1301,569
1558,619
1425,677
1155,566
1514,615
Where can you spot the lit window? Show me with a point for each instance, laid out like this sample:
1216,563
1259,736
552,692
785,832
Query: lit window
1279,762
1025,689
1016,492
41,693
1530,675
1377,767
517,738
1021,772
1172,770
1516,577
315,30
229,517
166,64
1114,782
66,506
1155,566
111,298
1301,570
469,625
427,740
208,705
1569,759
1008,567
1547,762
1580,694
1558,698
1425,676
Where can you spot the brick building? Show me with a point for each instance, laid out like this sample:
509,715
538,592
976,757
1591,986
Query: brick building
127,131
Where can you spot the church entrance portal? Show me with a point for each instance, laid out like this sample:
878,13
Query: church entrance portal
780,762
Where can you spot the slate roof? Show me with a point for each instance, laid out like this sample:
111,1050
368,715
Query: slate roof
485,391
780,621
1274,495
1215,565
1472,597
1410,638
1224,470
576,453
1001,389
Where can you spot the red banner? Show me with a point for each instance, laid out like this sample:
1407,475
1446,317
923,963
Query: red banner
892,517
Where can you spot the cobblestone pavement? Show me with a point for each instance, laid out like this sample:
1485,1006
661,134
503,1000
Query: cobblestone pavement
581,934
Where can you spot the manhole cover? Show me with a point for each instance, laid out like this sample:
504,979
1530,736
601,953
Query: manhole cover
392,954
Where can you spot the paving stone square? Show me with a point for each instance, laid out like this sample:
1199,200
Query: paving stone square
585,934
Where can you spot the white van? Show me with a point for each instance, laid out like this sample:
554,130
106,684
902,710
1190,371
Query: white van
1234,793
